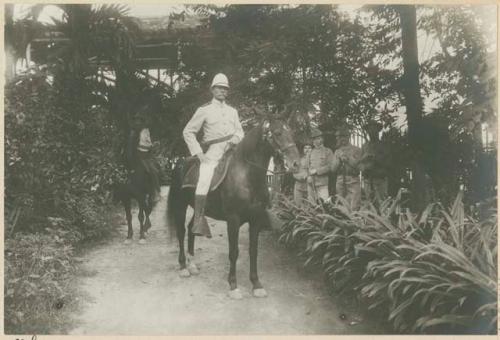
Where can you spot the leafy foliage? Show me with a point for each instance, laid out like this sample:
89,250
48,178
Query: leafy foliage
37,272
324,67
431,273
54,150
62,156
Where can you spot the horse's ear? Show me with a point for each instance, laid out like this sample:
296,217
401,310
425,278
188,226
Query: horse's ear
266,128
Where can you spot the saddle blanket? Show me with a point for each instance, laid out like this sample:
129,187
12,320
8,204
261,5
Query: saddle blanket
191,171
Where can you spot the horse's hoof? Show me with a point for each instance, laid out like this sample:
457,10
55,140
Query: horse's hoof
193,269
184,273
128,241
235,294
260,293
142,241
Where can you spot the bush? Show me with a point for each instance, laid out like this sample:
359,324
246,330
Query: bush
58,149
59,166
39,264
431,273
37,272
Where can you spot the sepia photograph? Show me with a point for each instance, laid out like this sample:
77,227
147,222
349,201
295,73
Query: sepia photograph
250,169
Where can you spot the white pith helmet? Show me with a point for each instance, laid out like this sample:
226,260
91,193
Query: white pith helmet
220,79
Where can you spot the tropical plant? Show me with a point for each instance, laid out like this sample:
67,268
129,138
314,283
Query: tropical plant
428,273
70,155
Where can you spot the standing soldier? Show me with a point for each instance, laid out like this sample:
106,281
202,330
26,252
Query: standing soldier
320,160
300,187
221,127
374,164
345,165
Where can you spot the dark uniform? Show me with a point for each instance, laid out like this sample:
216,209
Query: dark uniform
374,164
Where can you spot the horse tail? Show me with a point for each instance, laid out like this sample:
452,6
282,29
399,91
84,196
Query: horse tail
174,201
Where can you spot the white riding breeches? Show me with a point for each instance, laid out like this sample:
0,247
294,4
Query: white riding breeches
214,155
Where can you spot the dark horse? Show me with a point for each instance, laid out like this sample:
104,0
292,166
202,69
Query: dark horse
242,197
138,186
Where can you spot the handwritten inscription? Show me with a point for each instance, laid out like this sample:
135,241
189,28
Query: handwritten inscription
32,338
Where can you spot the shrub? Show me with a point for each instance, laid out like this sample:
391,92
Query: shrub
56,151
37,272
435,272
59,166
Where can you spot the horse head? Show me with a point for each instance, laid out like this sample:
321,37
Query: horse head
279,136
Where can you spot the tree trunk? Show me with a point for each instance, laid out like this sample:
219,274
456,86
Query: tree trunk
413,100
10,59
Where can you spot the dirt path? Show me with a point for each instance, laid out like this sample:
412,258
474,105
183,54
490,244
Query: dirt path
136,290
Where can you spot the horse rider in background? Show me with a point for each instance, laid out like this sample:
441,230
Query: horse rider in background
140,137
221,128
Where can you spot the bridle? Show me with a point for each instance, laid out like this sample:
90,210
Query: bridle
280,151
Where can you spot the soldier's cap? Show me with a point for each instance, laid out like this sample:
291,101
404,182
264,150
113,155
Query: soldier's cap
220,79
316,133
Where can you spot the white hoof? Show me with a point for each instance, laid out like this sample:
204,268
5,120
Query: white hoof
142,241
128,241
193,269
184,273
260,293
235,294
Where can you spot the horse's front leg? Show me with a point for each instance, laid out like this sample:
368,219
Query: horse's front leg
147,209
126,203
258,289
142,238
233,230
181,233
192,267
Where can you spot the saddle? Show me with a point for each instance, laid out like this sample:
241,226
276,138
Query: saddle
191,171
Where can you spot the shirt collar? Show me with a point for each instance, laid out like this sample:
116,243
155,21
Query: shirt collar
218,103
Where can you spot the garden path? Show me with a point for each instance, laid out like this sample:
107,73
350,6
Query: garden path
136,290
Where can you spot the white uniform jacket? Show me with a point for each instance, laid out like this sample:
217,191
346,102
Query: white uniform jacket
217,119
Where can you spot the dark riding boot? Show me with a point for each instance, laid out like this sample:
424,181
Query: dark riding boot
200,225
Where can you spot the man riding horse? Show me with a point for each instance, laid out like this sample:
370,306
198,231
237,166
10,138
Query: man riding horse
140,152
142,183
239,193
222,129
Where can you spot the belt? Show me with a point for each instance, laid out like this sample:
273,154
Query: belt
215,141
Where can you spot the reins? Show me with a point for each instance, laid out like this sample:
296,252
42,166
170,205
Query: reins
263,168
291,145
